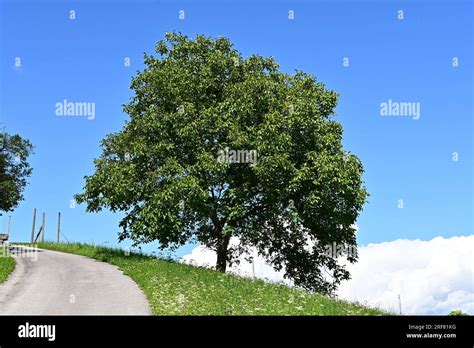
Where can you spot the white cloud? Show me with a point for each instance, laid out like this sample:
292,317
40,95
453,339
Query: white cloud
432,277
202,256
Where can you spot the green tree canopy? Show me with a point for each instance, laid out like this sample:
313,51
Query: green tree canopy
14,170
176,171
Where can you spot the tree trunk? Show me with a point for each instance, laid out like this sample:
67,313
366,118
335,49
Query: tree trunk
221,264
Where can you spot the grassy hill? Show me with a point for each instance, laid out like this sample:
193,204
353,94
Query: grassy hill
7,265
178,289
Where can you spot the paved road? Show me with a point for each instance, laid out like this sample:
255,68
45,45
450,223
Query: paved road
52,283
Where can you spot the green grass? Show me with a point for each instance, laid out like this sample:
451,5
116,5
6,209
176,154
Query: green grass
7,265
177,289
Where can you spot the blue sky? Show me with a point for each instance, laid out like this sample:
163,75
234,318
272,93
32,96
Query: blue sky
407,60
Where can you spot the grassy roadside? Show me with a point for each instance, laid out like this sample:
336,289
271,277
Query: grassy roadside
177,289
7,265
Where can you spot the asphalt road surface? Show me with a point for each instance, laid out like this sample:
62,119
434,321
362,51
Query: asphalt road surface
52,283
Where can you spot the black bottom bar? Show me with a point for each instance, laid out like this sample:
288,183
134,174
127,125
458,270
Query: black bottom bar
241,331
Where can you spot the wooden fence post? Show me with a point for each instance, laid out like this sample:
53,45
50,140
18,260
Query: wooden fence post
42,228
59,226
9,223
33,229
